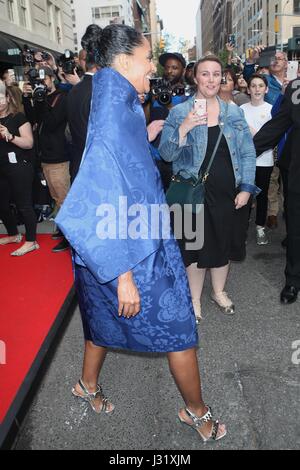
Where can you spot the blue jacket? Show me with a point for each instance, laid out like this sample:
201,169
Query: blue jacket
117,173
275,89
189,157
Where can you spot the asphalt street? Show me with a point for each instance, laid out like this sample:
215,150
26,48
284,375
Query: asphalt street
248,374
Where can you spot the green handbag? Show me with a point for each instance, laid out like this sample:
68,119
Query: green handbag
185,191
191,191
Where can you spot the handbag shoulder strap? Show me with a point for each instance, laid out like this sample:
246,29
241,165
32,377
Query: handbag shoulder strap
203,177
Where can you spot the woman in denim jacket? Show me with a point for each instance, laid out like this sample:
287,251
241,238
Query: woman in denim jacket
188,140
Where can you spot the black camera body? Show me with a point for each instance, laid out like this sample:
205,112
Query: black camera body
36,79
29,56
67,62
163,90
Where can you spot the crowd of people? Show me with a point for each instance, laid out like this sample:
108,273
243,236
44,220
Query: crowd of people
231,130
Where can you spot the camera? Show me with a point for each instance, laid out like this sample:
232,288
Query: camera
36,79
29,56
164,91
67,62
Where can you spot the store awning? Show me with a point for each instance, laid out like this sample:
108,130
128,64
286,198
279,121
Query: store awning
11,49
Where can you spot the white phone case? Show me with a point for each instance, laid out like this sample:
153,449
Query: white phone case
12,157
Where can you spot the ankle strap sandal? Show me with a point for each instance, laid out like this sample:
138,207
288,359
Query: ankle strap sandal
198,422
106,406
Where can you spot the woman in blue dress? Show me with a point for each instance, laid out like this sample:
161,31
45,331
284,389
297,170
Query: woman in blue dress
131,282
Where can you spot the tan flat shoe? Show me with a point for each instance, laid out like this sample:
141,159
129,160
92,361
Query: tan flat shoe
7,241
22,252
197,310
224,303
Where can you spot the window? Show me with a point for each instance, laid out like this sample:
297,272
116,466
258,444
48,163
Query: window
115,11
296,31
96,13
106,12
296,6
22,12
10,10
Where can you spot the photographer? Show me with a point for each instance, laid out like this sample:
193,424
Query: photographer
48,107
172,87
79,98
167,93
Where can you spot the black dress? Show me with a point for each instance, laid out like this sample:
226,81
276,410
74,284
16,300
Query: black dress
225,228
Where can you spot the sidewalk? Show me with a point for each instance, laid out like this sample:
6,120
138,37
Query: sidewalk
247,373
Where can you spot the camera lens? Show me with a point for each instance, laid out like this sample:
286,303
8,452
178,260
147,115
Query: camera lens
39,93
165,98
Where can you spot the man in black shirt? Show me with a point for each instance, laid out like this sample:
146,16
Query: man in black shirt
269,137
78,106
50,114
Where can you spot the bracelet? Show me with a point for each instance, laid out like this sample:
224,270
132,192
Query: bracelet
12,138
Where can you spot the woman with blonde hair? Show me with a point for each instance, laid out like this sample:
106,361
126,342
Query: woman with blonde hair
15,95
217,145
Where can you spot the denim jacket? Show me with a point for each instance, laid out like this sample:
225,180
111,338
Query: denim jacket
188,157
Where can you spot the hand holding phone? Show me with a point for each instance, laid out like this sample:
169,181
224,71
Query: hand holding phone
200,107
200,110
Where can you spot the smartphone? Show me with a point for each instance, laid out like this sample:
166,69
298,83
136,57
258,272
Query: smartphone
292,70
266,57
200,106
231,40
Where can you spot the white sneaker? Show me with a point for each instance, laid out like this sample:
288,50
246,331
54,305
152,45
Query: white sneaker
261,237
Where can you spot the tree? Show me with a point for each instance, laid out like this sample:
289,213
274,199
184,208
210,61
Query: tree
162,46
223,56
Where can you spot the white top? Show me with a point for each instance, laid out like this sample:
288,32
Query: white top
257,117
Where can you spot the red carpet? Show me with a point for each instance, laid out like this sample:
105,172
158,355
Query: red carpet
33,290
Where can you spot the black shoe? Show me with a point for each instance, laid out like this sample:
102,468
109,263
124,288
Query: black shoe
57,235
62,246
289,295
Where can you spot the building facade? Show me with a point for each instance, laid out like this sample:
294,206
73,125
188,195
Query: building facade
41,24
222,23
254,22
206,26
101,12
156,25
140,14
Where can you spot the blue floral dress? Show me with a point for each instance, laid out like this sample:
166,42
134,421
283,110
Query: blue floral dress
117,162
166,322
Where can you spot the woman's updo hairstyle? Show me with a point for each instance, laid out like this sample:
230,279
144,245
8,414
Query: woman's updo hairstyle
89,43
116,39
